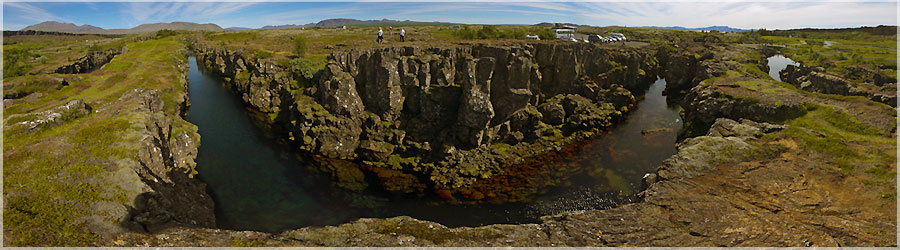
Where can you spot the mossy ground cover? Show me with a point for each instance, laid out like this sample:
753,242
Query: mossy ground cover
55,177
831,127
32,54
852,145
851,135
878,54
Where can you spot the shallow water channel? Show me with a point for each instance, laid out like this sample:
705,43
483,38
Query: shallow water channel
258,184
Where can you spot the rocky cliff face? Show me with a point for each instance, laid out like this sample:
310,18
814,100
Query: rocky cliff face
261,84
159,182
704,104
445,117
726,188
89,62
694,61
880,88
738,182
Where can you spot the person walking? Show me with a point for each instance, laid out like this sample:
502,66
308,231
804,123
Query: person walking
402,35
380,35
391,30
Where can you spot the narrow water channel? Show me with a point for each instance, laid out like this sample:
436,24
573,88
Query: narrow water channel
260,185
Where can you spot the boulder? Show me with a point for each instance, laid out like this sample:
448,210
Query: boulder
337,92
553,112
74,109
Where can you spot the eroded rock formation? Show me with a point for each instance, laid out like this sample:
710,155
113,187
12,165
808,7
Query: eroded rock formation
876,86
433,116
89,62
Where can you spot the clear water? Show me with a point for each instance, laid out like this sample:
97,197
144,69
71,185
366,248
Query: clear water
258,184
778,63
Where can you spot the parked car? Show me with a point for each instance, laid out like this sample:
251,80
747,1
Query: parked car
618,36
595,38
535,37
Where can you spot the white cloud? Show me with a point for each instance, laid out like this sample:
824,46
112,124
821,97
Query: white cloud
742,15
147,12
28,12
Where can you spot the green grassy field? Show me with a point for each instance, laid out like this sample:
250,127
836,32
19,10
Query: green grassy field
874,52
60,178
57,177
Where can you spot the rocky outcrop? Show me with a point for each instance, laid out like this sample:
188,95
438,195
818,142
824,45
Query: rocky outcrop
728,188
869,75
879,87
814,79
685,68
165,164
731,185
158,180
87,63
445,107
704,104
435,113
263,84
55,116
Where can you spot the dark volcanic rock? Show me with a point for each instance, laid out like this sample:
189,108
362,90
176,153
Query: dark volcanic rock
89,62
445,106
703,105
875,86
262,84
814,80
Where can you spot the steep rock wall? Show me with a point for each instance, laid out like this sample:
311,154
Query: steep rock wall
444,117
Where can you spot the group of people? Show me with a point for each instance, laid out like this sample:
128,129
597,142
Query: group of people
391,30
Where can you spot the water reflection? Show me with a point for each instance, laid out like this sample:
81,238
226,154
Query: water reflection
778,63
260,185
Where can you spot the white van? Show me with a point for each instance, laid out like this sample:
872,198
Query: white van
565,34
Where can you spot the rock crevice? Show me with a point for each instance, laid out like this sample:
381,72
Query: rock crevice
87,63
438,113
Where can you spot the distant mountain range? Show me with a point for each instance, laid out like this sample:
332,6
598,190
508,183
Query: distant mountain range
143,28
237,28
718,28
336,22
546,24
63,27
333,22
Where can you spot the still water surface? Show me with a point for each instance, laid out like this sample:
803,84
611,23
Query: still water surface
258,184
778,63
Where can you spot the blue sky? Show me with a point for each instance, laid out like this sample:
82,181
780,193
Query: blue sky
740,14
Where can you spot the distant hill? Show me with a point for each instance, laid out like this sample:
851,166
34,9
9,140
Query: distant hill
340,22
63,27
882,30
237,28
337,22
283,26
546,24
717,28
143,28
175,26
